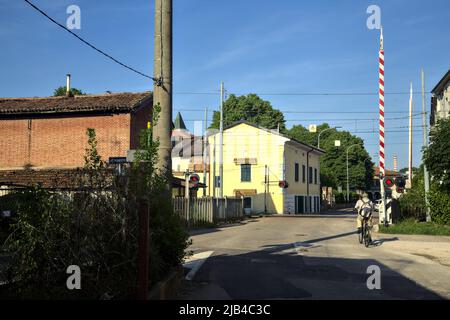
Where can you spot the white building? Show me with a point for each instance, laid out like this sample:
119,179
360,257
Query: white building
440,101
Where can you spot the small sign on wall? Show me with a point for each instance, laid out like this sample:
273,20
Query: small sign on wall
6,214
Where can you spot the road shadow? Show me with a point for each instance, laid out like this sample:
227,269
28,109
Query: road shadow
283,273
379,242
200,231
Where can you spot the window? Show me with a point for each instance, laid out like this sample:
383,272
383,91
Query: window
296,172
303,173
246,173
310,175
315,176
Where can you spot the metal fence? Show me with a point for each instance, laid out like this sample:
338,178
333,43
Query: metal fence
197,212
5,190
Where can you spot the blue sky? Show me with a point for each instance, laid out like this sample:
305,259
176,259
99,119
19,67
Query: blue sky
254,46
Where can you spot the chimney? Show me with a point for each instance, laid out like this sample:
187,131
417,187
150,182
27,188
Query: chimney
395,163
68,85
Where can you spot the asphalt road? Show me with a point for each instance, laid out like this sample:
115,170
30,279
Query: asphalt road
315,257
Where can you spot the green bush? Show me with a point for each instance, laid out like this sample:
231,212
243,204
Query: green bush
339,197
439,202
95,228
411,226
412,205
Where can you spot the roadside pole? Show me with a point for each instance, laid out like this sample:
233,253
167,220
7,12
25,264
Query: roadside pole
187,197
162,92
186,186
221,142
425,144
204,151
265,189
410,138
381,135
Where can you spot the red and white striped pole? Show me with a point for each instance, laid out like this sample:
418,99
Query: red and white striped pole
381,103
382,144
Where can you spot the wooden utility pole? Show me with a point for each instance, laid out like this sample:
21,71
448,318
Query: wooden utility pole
162,92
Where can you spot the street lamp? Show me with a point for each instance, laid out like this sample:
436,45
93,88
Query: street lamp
369,158
348,183
318,138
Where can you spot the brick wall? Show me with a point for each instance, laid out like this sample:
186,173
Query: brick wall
61,142
139,120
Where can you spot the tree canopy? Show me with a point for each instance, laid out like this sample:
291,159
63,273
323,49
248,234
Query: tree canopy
252,109
334,163
61,91
437,155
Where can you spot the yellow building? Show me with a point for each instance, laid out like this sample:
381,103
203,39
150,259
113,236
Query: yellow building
256,160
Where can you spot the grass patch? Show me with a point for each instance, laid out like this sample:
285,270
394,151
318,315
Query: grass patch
410,226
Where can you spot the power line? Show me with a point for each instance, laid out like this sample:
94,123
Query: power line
195,109
332,119
88,43
300,93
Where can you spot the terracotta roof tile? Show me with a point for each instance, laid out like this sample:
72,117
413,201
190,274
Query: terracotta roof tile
115,102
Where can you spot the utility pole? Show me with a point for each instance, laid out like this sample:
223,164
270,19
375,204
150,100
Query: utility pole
348,175
205,137
221,141
162,92
410,175
425,144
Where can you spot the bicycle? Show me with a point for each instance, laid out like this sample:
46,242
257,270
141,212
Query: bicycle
365,236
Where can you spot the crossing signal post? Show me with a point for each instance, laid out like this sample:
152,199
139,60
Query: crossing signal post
283,184
388,182
394,188
383,209
194,180
400,183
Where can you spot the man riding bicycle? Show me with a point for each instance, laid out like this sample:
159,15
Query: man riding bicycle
364,208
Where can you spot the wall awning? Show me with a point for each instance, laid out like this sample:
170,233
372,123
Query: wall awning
239,161
244,192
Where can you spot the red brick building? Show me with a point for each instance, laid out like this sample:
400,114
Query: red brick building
44,133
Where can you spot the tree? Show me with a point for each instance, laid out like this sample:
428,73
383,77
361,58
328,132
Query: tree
437,155
61,91
250,108
333,164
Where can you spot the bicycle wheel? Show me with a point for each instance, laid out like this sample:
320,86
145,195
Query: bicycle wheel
367,238
360,235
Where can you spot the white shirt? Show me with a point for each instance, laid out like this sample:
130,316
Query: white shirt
363,202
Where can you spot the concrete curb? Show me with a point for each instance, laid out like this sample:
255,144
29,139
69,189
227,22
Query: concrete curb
167,288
